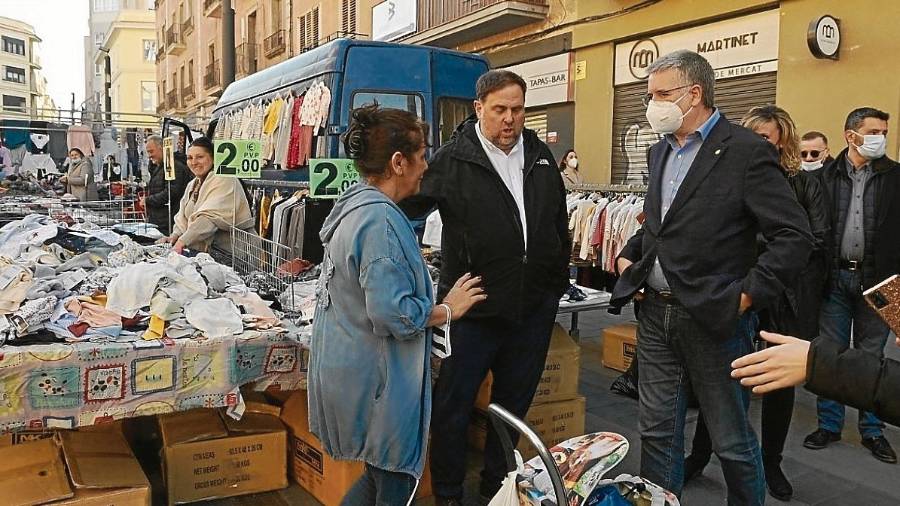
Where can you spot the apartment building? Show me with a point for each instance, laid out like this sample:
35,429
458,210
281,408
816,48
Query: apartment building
23,90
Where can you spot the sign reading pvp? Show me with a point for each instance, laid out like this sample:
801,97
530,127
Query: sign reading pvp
330,177
238,158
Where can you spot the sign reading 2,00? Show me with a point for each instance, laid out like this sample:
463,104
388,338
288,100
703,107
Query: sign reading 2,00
238,158
330,177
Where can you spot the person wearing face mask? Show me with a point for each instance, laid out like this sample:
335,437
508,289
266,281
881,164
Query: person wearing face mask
861,186
503,205
797,311
694,265
814,151
568,168
210,207
80,177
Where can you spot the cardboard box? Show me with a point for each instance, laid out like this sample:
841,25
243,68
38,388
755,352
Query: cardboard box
24,437
33,474
619,346
326,479
561,371
103,470
209,456
554,422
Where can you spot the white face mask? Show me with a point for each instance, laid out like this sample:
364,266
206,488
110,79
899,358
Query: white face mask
873,146
572,163
666,117
808,166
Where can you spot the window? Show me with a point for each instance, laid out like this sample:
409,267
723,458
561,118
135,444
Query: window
149,50
98,70
348,16
452,112
148,96
13,103
98,39
212,53
14,74
15,46
309,30
403,101
190,73
276,15
106,5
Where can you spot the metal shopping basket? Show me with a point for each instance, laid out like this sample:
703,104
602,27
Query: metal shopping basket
582,481
103,213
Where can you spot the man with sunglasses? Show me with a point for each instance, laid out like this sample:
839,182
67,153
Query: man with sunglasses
861,189
713,187
814,151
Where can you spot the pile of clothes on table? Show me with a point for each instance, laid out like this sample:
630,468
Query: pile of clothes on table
78,282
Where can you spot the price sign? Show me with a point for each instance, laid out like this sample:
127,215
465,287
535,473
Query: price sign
168,159
330,177
240,159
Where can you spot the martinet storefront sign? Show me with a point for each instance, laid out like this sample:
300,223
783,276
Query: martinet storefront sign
735,47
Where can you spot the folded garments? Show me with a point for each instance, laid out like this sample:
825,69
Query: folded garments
156,329
129,253
179,329
86,260
135,286
15,280
252,303
214,317
33,314
219,276
93,314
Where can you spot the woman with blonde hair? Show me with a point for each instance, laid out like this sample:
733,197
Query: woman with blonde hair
797,312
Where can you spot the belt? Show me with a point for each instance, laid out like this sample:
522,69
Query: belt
850,265
666,297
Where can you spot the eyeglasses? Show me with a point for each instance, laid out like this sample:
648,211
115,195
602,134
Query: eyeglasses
814,153
647,97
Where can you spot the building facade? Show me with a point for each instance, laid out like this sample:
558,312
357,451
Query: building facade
129,48
23,90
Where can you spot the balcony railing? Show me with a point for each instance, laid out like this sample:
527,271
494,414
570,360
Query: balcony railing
172,99
245,58
174,40
434,13
212,8
187,26
274,44
212,77
187,93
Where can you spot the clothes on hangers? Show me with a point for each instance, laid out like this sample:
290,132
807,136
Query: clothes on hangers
80,136
601,225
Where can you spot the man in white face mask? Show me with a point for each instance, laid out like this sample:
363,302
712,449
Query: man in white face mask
814,151
713,187
862,187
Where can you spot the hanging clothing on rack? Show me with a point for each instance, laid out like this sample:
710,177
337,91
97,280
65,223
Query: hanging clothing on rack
80,136
293,157
57,147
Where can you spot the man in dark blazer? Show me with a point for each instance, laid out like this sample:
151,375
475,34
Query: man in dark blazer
713,187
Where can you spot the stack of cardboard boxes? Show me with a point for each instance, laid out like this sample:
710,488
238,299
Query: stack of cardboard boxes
557,411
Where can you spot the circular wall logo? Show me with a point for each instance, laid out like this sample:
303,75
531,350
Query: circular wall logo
642,55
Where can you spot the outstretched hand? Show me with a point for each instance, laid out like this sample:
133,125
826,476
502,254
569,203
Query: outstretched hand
774,368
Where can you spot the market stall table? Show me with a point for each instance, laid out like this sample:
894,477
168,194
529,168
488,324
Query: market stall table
596,300
70,385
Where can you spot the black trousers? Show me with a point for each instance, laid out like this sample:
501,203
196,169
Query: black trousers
515,353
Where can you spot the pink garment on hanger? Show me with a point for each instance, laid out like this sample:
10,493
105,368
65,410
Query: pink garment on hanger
79,136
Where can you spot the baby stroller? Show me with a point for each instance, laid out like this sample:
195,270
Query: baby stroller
573,470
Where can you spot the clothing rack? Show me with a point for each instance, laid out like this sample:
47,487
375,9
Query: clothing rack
604,187
270,183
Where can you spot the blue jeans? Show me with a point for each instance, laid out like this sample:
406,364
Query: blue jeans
846,313
377,487
678,356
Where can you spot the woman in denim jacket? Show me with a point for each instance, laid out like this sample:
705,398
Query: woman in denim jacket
369,375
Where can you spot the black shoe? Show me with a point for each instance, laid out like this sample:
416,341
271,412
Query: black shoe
820,439
447,501
693,466
881,449
777,483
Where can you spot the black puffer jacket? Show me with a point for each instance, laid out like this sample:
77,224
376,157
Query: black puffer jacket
882,238
158,194
855,378
798,312
482,231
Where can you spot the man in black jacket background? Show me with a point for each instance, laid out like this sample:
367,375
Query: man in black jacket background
862,187
503,207
156,202
713,187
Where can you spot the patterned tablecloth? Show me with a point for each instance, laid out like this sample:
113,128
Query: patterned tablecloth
71,385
